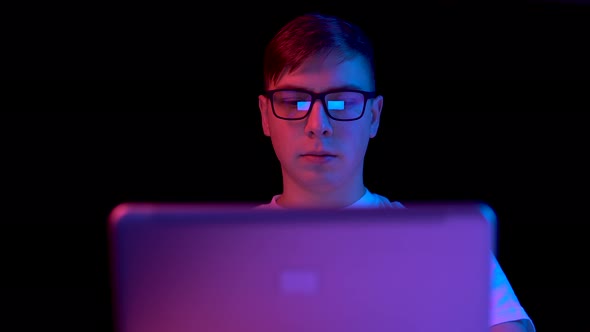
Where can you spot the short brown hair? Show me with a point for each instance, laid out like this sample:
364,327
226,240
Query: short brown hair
311,34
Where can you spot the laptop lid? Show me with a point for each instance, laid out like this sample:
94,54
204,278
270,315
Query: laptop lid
222,268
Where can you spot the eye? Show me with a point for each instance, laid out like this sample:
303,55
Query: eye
335,105
303,105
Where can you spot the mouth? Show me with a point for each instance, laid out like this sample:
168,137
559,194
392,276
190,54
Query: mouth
318,154
321,158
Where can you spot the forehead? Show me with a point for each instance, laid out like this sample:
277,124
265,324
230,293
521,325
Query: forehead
320,73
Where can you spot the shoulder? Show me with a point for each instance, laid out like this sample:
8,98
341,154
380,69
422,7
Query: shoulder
373,200
270,205
505,306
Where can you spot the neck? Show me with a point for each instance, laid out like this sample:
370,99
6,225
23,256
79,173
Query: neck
332,197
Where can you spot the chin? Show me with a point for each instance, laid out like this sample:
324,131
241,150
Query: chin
323,184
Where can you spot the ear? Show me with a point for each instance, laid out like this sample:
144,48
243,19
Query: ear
376,106
264,106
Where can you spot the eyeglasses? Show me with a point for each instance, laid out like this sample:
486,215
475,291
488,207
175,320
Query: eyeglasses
341,104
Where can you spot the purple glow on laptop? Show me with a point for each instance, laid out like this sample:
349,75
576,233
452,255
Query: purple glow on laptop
290,272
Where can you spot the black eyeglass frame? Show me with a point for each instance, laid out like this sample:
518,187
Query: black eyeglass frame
322,97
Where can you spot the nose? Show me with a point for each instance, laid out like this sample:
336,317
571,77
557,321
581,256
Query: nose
318,121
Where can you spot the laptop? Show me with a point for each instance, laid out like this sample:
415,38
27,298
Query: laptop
196,267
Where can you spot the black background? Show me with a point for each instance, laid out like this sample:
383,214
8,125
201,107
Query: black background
158,102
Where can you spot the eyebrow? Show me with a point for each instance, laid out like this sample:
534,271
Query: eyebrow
339,87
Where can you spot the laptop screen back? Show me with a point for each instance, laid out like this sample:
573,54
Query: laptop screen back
215,268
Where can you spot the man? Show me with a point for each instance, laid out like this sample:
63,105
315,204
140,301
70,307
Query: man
320,111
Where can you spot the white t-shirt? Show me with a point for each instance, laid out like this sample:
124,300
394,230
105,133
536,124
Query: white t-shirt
505,306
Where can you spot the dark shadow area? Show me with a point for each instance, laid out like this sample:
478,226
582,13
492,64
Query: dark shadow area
481,102
415,40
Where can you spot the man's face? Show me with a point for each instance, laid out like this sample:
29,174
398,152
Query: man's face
317,152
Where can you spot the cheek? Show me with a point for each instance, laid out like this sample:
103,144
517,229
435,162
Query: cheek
281,139
354,140
355,134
